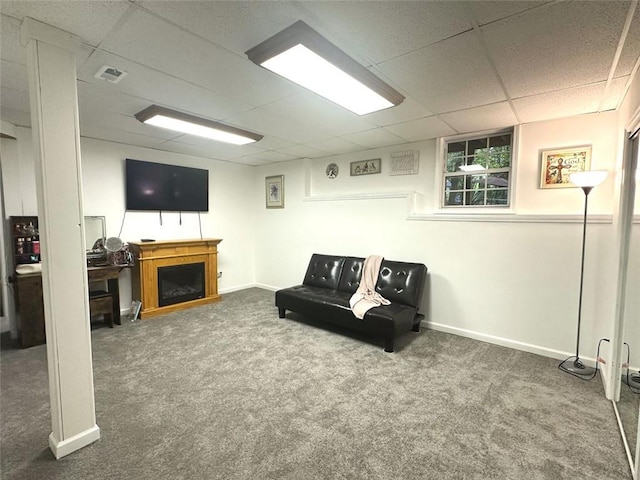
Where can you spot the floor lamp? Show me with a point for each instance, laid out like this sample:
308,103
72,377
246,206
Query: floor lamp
587,181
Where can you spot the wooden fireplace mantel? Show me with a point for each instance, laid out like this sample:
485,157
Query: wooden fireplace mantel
152,255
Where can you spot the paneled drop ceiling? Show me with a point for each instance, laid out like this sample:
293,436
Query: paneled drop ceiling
463,66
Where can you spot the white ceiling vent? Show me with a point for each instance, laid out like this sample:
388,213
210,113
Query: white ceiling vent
110,74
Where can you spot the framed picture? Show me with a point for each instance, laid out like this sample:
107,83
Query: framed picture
365,167
557,165
274,190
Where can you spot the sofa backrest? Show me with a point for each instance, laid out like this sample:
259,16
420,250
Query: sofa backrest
351,274
324,271
402,282
399,282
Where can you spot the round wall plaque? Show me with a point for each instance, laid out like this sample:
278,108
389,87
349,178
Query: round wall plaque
332,170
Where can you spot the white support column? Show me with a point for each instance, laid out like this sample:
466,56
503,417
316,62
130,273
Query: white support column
54,117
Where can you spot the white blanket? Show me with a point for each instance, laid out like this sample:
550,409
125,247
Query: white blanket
366,296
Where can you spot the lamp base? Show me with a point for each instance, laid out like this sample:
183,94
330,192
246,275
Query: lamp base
574,366
632,380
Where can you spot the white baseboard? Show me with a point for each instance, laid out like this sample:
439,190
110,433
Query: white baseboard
267,287
505,342
236,288
62,448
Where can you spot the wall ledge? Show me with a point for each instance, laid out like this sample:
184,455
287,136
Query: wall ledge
504,216
357,196
508,217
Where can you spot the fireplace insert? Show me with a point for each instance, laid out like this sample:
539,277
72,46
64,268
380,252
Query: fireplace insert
180,283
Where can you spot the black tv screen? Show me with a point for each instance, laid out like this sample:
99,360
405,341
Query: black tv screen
156,186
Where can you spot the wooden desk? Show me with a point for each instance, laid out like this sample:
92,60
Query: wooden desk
29,304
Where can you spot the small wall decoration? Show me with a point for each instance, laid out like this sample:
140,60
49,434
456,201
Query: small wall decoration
274,190
405,163
365,167
332,170
557,165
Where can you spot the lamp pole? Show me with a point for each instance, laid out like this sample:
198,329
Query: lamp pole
587,181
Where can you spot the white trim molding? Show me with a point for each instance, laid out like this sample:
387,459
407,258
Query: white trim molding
62,448
505,342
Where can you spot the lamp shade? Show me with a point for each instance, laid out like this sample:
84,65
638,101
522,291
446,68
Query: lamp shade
591,178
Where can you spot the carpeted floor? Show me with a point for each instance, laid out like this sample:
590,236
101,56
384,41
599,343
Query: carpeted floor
230,391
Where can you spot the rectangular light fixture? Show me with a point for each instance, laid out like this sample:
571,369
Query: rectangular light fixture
192,125
305,57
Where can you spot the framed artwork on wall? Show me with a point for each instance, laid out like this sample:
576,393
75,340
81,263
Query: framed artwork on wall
274,190
557,165
365,167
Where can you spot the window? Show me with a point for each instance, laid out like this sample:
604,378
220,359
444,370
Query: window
477,171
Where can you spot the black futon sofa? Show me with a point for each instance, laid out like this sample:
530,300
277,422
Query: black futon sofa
330,282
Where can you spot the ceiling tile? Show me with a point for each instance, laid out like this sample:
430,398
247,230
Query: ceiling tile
14,99
15,117
152,86
409,109
237,25
319,114
270,124
91,20
375,138
153,42
476,119
379,31
261,158
525,47
451,75
118,136
14,75
559,104
10,48
336,145
421,129
614,94
631,49
488,11
302,151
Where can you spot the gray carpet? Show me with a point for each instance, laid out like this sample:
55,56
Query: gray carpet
230,391
628,407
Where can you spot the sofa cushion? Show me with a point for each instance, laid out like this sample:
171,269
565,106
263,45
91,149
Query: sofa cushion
351,275
401,282
324,271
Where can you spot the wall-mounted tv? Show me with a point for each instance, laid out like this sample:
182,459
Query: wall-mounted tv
170,188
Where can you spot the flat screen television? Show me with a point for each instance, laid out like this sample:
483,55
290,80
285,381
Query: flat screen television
170,188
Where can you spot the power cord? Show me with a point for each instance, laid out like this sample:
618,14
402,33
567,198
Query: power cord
595,372
631,377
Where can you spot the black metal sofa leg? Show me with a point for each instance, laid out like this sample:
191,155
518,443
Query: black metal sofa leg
281,312
388,345
416,327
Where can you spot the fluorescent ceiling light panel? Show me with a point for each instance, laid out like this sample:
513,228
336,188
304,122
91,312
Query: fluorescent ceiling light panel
192,125
303,56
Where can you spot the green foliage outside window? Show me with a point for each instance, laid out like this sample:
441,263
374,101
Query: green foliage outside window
488,184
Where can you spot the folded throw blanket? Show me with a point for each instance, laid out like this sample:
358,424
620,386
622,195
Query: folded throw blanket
366,296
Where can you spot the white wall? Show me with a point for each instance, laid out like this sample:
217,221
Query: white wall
231,203
510,282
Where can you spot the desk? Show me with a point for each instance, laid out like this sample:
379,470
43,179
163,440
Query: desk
29,304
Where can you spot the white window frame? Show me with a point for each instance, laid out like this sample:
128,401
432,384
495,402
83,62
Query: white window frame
441,154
